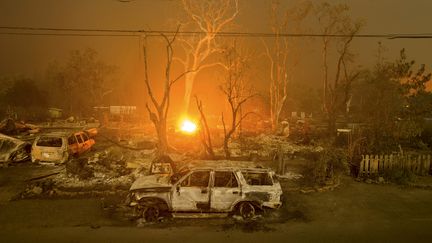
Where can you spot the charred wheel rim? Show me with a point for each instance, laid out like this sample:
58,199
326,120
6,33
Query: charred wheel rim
247,210
151,213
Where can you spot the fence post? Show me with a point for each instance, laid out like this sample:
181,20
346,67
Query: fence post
386,162
374,164
381,164
418,164
367,165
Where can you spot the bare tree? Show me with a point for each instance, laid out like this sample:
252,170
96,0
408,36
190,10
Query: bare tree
334,20
283,55
236,93
158,110
83,82
209,17
350,76
205,133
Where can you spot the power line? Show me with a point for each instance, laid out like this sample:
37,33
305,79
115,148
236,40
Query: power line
66,34
43,31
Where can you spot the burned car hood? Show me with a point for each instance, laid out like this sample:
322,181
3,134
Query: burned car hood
12,149
151,181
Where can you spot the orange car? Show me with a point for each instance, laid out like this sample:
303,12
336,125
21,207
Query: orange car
58,146
79,142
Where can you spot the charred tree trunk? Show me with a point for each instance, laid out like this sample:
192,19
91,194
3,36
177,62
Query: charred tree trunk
163,145
226,149
334,20
283,55
205,133
158,111
228,134
235,92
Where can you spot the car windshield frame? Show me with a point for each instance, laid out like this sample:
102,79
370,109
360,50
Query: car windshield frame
176,177
50,142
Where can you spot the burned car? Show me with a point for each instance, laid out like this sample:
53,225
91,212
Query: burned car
57,147
13,150
206,190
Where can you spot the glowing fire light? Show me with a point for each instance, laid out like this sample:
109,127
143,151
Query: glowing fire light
188,126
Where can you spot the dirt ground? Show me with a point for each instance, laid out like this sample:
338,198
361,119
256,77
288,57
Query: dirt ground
355,211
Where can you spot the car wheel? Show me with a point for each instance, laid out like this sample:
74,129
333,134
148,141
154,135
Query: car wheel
246,210
151,213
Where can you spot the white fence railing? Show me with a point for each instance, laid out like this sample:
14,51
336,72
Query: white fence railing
377,164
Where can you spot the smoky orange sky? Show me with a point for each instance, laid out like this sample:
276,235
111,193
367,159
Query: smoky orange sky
30,56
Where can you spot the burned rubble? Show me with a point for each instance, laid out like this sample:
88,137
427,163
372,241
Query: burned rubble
113,166
11,127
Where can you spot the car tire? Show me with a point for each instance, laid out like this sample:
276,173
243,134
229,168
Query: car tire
151,213
246,210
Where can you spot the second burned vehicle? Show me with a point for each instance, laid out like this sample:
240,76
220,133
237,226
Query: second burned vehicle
226,190
57,147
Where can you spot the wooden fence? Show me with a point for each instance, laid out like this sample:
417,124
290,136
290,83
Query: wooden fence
378,164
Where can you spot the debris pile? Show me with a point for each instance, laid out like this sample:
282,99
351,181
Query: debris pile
267,146
10,127
109,171
41,188
71,122
290,176
79,167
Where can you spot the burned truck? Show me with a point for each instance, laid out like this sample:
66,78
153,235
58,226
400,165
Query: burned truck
207,190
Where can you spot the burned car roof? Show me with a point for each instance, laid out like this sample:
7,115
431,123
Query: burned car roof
56,134
222,164
232,168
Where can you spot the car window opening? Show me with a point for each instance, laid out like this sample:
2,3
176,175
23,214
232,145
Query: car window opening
49,142
258,179
79,138
197,179
225,179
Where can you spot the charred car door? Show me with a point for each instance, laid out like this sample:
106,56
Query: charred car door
192,193
225,191
80,143
87,142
